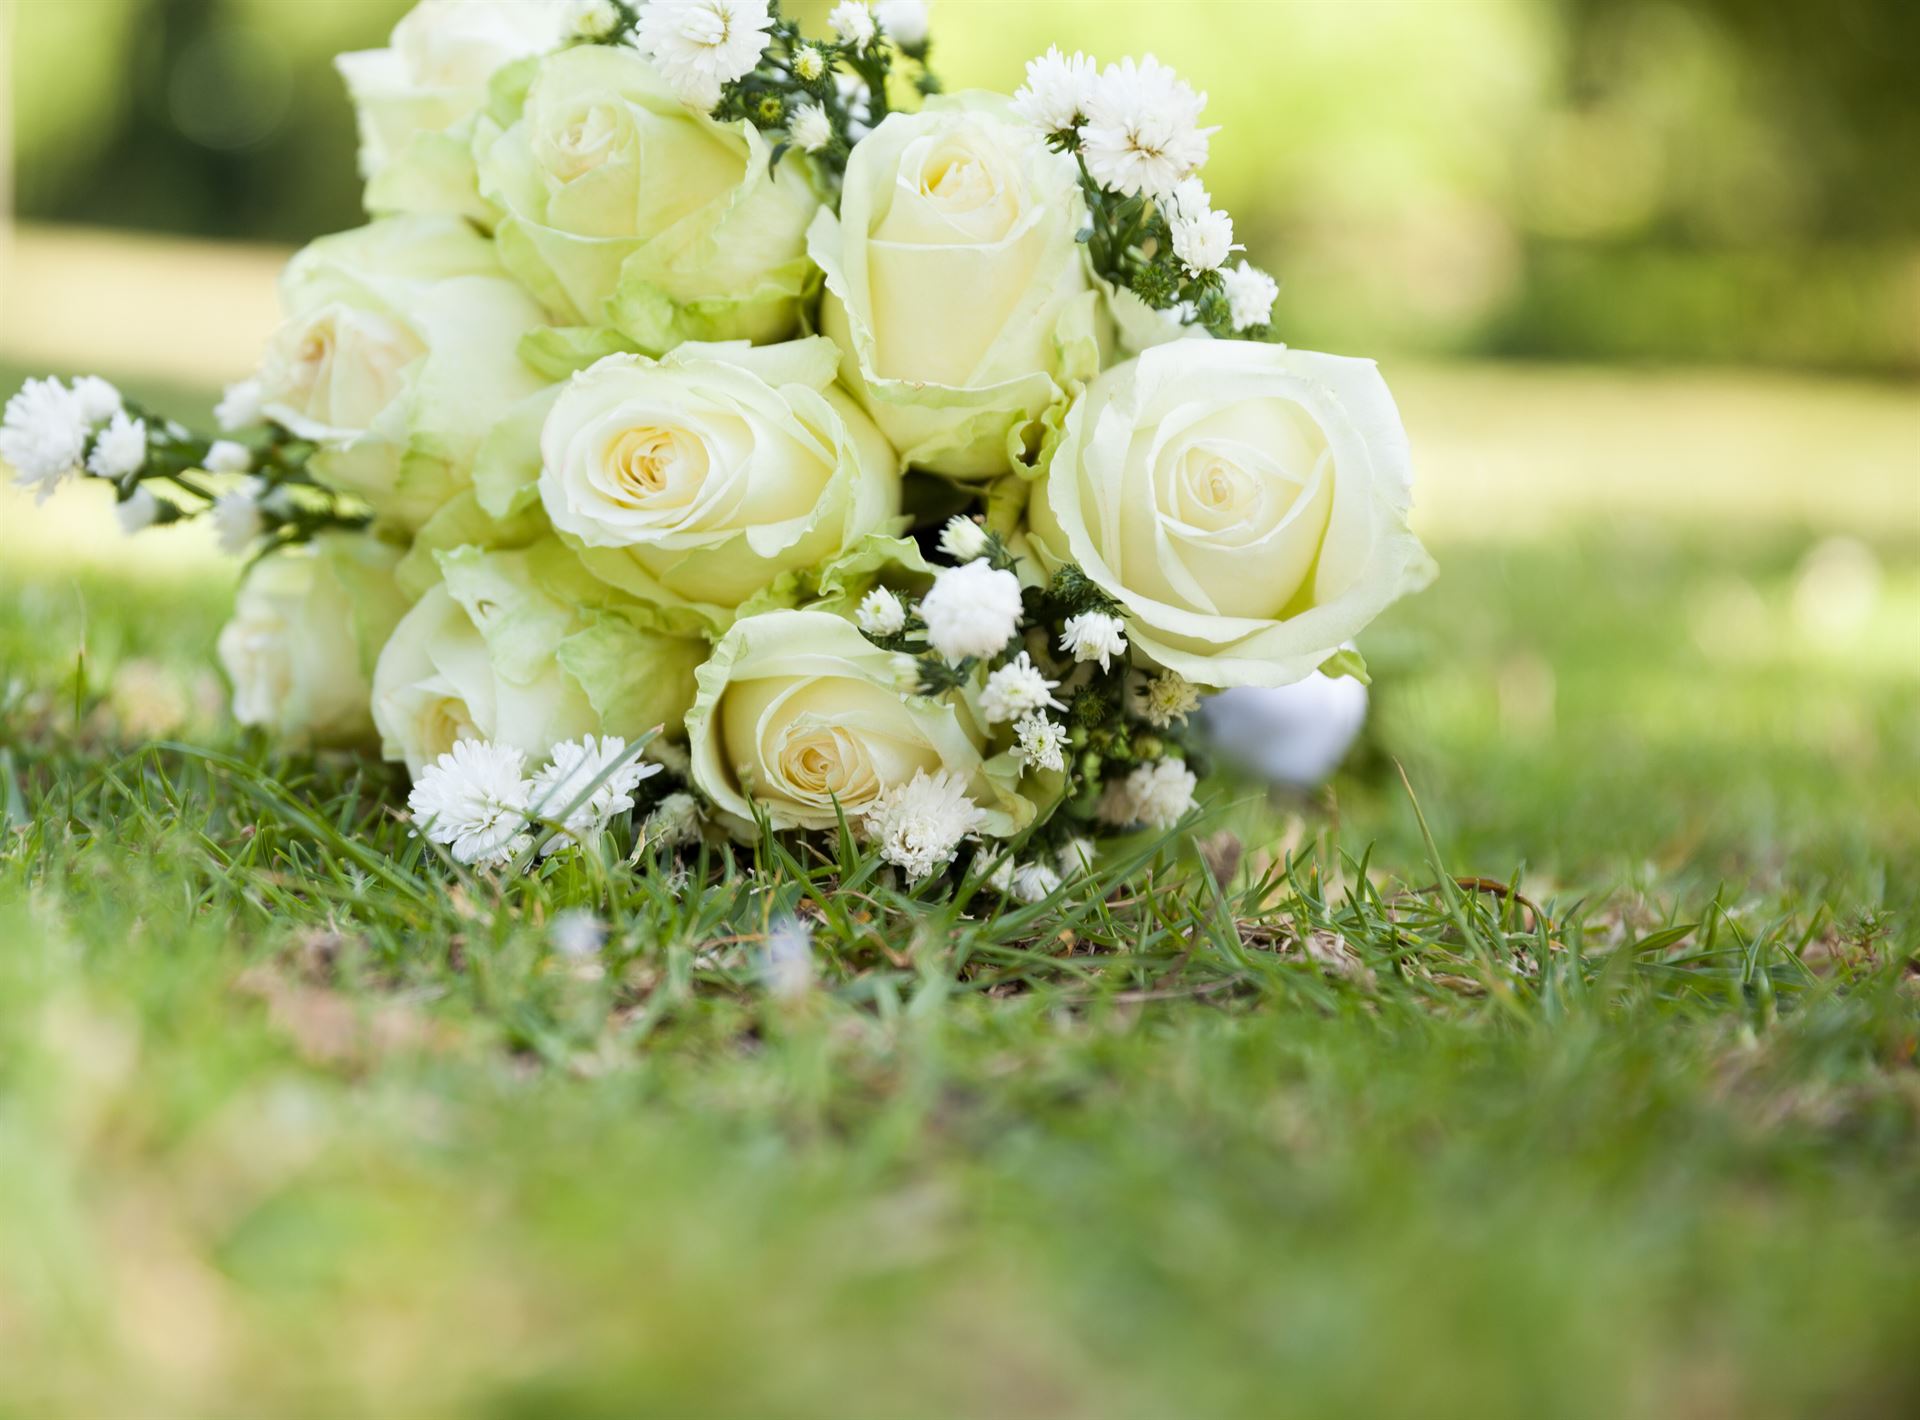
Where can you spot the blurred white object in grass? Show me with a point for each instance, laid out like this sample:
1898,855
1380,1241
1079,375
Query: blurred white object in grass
1290,734
1836,589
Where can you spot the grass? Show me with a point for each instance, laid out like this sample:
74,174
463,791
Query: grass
293,1128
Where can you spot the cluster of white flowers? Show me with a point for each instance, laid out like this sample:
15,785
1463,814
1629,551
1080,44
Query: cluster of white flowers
478,800
1026,883
920,825
47,425
701,46
1136,127
1159,794
972,610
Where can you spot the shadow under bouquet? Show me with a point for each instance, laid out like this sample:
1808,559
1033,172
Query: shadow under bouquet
721,431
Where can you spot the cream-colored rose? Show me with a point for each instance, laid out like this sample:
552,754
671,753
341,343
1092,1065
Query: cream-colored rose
524,648
1247,504
955,284
624,208
307,626
398,353
703,478
416,99
798,712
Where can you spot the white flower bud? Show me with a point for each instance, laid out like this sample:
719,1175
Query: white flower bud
973,610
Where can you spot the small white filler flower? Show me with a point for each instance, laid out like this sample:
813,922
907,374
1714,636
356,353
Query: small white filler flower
674,822
1032,882
1250,295
1054,98
1041,743
557,789
852,23
228,456
593,19
239,407
1017,688
905,21
1094,636
1159,794
918,826
120,448
1163,700
881,613
963,539
1143,129
473,799
972,610
99,400
44,434
700,46
1202,236
237,519
810,128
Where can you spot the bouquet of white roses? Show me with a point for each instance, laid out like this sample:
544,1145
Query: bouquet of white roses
914,463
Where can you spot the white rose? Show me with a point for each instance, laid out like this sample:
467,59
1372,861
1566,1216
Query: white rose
398,353
955,285
307,626
798,712
702,478
414,101
624,208
523,648
1247,504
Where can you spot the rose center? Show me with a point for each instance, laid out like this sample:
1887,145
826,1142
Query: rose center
653,466
825,765
445,723
584,144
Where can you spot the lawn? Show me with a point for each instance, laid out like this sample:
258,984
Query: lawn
291,1123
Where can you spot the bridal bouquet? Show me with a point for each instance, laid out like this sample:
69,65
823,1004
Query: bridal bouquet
912,463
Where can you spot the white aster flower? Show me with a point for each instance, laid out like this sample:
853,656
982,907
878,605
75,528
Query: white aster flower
1143,129
700,46
1250,295
808,64
1033,882
786,963
852,22
1017,689
99,400
675,821
1163,700
881,613
120,448
593,19
1159,794
963,539
239,407
973,610
137,511
557,789
1202,236
905,21
1076,857
473,799
810,128
1042,743
577,933
44,434
918,825
1094,636
228,456
237,520
1054,98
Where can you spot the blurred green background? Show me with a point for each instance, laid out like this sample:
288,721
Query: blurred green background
1726,180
